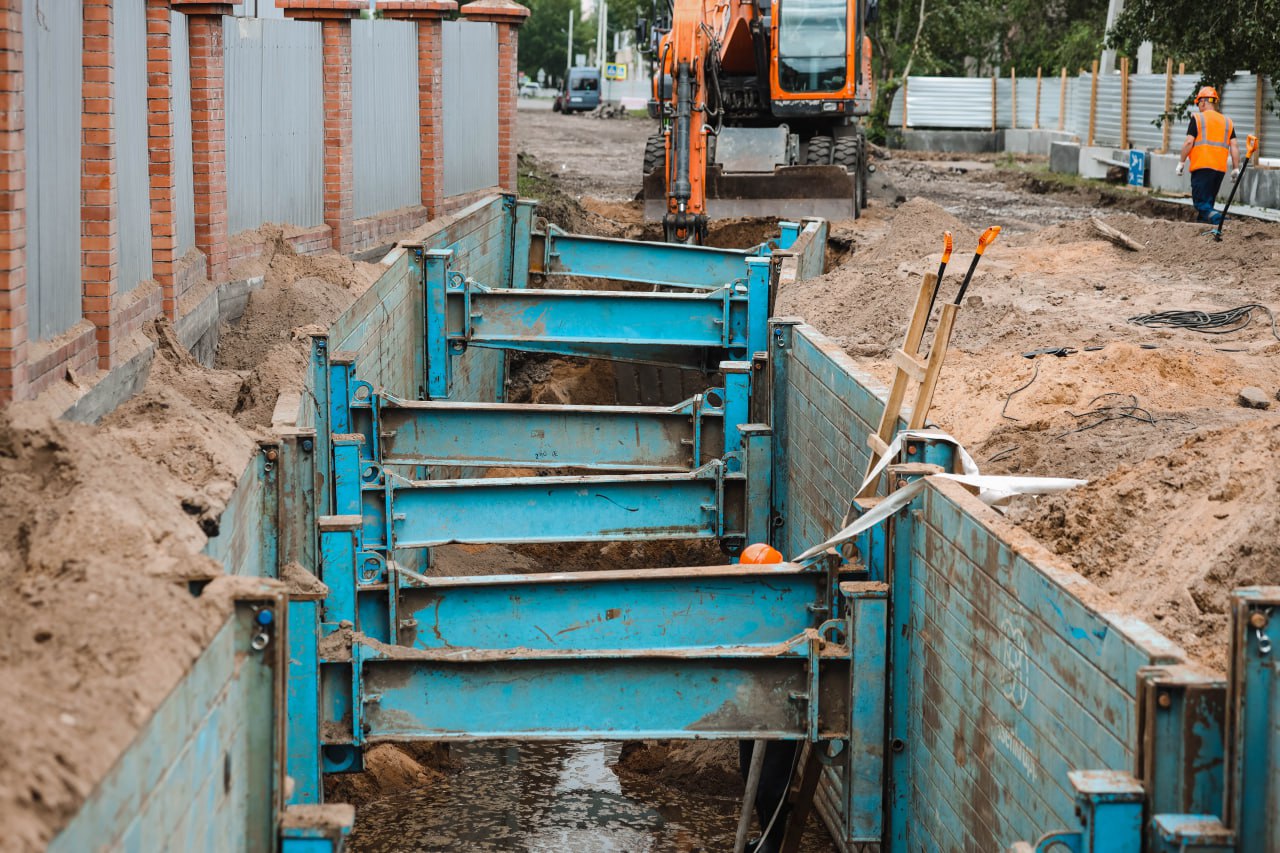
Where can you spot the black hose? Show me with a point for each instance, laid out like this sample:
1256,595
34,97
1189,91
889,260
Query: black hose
1207,322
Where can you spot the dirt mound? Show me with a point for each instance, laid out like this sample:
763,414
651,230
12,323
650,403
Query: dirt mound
98,625
389,768
1172,535
710,766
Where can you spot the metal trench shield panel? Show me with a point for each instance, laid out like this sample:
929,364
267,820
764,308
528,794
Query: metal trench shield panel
656,609
704,693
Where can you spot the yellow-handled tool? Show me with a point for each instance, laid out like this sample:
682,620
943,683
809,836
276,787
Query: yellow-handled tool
988,237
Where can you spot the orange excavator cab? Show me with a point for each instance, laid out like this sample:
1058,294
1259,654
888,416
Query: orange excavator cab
760,106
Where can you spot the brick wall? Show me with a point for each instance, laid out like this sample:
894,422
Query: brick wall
208,141
160,148
13,208
110,316
339,161
99,189
508,44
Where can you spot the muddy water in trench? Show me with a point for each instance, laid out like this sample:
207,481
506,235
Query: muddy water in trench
549,798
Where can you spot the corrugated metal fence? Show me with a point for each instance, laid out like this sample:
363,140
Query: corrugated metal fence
384,81
470,80
180,84
275,123
52,77
132,167
965,102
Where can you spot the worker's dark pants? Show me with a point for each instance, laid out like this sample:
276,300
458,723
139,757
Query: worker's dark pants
779,757
1205,184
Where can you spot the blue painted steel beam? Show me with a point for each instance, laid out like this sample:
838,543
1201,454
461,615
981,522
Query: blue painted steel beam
695,693
614,609
1253,740
605,438
554,509
671,264
566,321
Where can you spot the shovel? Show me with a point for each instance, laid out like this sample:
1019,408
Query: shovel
1250,148
988,237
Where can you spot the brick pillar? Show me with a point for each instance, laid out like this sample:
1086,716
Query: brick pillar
99,185
164,225
339,157
13,208
428,15
208,130
509,17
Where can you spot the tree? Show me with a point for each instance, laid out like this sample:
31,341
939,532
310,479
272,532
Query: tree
1215,39
544,37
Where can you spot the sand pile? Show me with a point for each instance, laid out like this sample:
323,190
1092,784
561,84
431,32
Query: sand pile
1171,536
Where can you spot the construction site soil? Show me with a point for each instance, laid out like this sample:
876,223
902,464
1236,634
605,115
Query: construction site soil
101,526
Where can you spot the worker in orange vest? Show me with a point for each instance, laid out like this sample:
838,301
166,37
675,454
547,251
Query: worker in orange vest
1211,137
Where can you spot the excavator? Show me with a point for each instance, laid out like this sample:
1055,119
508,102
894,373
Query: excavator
760,105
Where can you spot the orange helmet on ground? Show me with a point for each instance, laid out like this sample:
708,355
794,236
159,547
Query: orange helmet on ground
760,554
1207,92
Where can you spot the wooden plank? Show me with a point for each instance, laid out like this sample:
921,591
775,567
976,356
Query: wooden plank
877,444
937,355
913,367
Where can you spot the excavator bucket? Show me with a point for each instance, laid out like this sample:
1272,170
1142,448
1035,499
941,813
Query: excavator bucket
787,192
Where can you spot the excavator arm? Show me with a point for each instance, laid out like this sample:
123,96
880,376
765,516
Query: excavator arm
684,63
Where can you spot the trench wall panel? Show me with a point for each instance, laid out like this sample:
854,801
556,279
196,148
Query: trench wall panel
1018,672
198,774
243,543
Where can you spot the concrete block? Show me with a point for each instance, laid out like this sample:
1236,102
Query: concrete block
1258,187
1253,397
952,141
1161,175
1036,142
1095,160
1064,158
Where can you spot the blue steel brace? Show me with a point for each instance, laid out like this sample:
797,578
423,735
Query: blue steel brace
1253,739
863,795
666,264
435,273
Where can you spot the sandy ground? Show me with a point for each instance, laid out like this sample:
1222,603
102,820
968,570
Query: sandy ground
1180,506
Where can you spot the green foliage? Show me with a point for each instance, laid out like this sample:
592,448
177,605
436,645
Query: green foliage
544,37
1215,39
961,37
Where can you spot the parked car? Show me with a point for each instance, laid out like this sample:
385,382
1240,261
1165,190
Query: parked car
581,91
530,89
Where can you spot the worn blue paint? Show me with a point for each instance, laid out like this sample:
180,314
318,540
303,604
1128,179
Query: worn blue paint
1253,796
551,509
864,768
670,264
602,438
613,609
303,727
710,692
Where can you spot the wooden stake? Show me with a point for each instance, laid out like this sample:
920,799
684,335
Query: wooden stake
904,103
1013,80
1093,103
1062,100
1182,68
1124,102
1036,124
1168,105
993,103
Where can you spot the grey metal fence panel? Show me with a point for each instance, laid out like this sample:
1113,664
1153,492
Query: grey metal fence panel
944,102
275,123
52,93
184,205
1238,102
1146,104
470,80
132,162
1107,129
1004,105
1270,146
384,80
1078,107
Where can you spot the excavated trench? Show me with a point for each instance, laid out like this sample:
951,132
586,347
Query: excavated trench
563,796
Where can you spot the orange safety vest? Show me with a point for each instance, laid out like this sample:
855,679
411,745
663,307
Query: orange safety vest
1212,143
